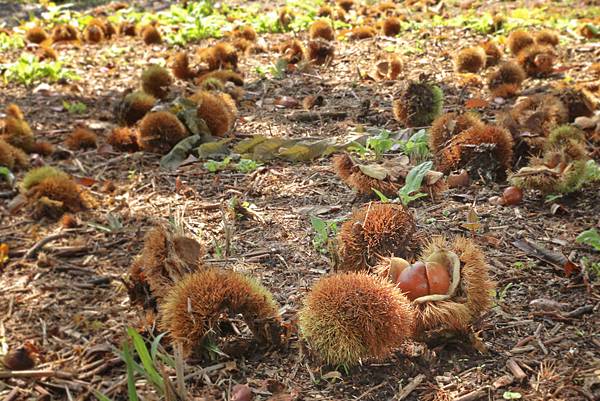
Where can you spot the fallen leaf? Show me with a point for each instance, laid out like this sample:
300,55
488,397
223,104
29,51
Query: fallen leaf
286,102
476,103
547,305
241,392
472,223
179,153
456,180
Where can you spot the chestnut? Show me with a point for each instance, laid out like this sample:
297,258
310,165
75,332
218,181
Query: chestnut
420,279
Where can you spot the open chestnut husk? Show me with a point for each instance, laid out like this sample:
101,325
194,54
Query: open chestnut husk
450,288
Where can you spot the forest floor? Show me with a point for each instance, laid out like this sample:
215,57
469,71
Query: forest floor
70,301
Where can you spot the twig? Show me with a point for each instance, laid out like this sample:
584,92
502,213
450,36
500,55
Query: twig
40,244
580,311
13,395
308,116
369,391
409,388
473,395
516,370
12,374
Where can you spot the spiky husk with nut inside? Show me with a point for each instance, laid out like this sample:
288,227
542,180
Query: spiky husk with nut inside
11,156
483,151
375,230
246,32
535,115
192,310
292,51
321,29
448,125
218,110
64,33
56,186
320,51
563,134
351,317
493,54
156,81
124,139
537,60
506,80
472,298
81,138
470,59
518,40
134,107
419,104
223,76
362,32
166,258
93,33
160,131
220,56
16,130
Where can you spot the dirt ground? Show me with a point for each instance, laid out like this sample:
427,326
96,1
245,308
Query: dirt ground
71,302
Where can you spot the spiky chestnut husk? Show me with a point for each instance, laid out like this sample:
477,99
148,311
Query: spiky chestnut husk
419,104
506,80
64,33
547,37
246,32
81,138
325,11
223,76
127,28
518,40
181,67
62,189
220,56
38,174
351,317
36,35
160,131
134,107
537,115
285,17
11,156
321,29
156,81
362,32
466,150
346,5
577,101
192,310
448,125
124,139
376,230
320,51
151,35
537,60
165,259
45,52
563,134
217,110
493,54
212,84
292,51
472,298
470,59
93,34
16,131
362,183
42,148
391,26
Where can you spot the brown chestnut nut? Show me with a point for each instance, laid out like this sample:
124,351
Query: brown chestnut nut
512,196
420,279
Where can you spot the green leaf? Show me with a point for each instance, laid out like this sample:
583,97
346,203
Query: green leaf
590,237
381,196
180,152
415,177
100,396
155,344
509,395
129,363
149,370
212,149
248,145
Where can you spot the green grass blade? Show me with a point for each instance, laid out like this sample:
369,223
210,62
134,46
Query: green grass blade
147,363
100,396
132,395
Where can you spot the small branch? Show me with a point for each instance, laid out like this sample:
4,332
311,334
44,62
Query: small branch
13,374
409,388
37,247
516,370
473,395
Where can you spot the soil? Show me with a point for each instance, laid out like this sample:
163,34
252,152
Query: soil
70,300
